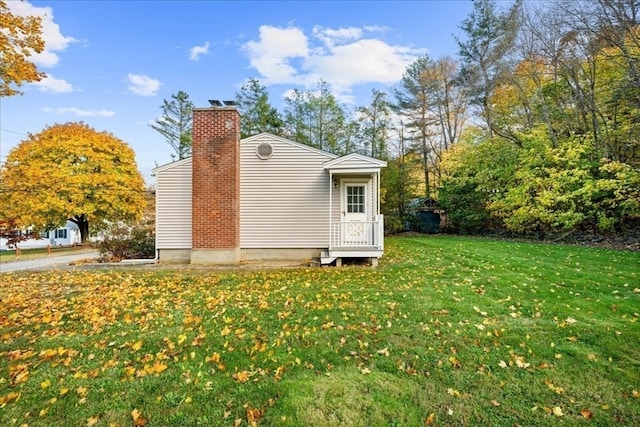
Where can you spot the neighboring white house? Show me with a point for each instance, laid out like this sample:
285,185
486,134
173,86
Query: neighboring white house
265,197
64,236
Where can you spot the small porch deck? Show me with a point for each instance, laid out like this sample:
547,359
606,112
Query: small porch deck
355,239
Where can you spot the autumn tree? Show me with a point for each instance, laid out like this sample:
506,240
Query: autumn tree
71,172
20,37
412,102
256,112
176,124
485,52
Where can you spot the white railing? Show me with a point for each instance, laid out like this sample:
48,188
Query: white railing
357,234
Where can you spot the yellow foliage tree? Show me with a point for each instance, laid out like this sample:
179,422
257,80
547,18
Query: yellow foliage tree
20,37
72,172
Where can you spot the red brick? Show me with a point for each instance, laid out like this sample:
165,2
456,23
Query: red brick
216,178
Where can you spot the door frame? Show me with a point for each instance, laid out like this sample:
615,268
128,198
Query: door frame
346,217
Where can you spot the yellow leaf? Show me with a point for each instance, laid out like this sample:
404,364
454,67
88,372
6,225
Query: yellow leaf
138,419
242,376
8,398
557,411
44,412
92,421
215,358
430,419
136,346
45,384
158,367
225,331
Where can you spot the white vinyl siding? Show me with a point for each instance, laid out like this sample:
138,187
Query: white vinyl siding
283,200
173,205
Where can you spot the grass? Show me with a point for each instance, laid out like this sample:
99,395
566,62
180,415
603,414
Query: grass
35,253
447,331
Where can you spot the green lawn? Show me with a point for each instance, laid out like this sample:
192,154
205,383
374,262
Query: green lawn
10,256
447,331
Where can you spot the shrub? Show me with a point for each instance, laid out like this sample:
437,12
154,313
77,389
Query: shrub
122,241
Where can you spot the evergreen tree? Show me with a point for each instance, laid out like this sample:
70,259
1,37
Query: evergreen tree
175,124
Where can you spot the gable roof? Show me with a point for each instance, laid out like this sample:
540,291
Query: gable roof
170,165
355,162
282,140
350,162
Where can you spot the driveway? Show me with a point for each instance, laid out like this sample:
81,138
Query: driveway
45,263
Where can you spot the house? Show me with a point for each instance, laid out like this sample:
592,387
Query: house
264,198
68,235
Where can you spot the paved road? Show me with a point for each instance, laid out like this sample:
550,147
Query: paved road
45,263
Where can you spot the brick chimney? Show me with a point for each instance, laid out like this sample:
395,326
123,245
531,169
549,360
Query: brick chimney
216,185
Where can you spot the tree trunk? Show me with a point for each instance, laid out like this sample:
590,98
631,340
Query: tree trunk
83,225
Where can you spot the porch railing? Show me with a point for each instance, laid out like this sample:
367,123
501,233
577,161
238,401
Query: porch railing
357,235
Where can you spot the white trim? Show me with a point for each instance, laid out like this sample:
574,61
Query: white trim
170,165
264,135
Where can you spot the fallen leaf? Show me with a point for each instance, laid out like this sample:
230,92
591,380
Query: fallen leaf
557,411
430,419
138,419
586,414
384,352
242,376
495,403
8,398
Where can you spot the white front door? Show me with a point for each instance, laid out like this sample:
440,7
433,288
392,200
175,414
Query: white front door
355,230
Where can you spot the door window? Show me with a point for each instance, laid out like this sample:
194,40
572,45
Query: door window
355,198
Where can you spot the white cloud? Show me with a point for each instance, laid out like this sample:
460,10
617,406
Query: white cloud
79,112
53,85
53,38
273,53
143,85
331,37
196,51
343,57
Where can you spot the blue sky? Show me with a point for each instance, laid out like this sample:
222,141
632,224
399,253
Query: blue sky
111,64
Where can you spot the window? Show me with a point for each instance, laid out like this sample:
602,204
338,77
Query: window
44,235
355,198
61,233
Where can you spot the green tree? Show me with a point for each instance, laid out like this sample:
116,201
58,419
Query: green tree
256,112
176,124
485,53
375,120
317,119
71,172
412,101
479,171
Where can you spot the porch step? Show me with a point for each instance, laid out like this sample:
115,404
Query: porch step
325,258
